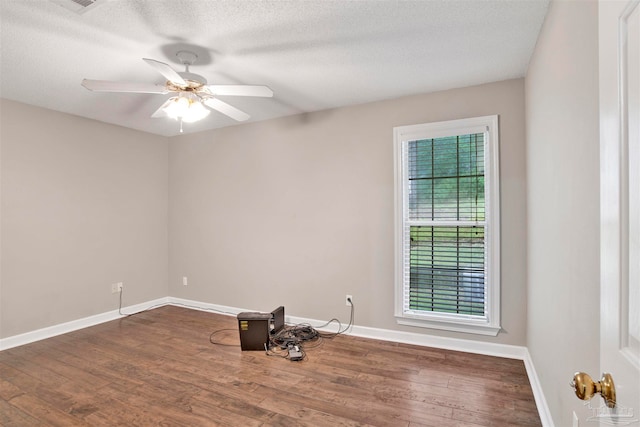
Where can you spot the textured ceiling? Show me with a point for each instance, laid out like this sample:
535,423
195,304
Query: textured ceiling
314,54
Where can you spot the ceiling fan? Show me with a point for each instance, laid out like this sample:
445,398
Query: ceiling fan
192,91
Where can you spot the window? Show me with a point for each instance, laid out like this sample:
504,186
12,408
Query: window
448,225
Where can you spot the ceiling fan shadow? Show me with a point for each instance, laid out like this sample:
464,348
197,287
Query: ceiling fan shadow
205,55
143,105
287,100
291,46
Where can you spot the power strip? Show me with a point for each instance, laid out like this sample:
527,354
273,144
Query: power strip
295,353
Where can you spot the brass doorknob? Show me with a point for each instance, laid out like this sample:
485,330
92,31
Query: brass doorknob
586,388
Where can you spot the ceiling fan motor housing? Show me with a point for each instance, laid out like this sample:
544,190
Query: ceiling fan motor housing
194,81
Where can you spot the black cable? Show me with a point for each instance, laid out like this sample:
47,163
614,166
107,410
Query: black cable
120,303
271,352
340,331
303,335
125,315
201,308
330,322
219,343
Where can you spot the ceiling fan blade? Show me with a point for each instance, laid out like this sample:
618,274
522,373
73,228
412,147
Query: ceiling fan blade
108,86
240,90
226,109
168,72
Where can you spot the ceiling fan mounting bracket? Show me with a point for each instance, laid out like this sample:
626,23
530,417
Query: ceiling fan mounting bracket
186,57
195,82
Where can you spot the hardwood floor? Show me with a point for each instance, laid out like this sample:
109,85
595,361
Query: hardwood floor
159,368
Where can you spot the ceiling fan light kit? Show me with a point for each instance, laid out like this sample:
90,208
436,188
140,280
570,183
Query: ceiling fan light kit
185,108
192,90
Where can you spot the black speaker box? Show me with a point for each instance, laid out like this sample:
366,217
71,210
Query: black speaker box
254,330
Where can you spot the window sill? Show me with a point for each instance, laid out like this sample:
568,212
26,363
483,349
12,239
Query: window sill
448,325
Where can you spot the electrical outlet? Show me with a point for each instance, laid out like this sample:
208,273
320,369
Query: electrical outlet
184,281
116,287
348,300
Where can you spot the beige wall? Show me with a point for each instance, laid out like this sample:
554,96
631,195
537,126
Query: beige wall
563,203
84,205
295,211
299,211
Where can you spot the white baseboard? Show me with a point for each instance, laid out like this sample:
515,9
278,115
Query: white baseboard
447,343
205,306
538,395
74,325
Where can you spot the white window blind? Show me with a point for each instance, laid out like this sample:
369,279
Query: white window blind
444,233
445,224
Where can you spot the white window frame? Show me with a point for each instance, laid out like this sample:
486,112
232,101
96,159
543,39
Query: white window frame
489,324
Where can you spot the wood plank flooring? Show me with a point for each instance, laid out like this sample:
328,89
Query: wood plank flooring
158,368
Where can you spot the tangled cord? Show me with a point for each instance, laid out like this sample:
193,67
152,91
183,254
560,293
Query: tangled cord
300,335
294,337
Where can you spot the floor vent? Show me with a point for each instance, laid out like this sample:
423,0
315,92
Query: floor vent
79,6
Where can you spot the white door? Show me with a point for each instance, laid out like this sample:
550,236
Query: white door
619,33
